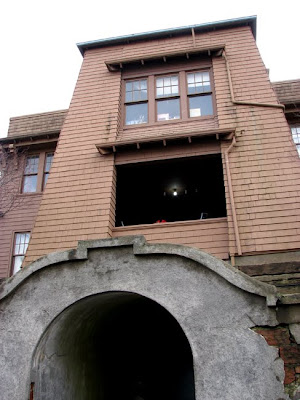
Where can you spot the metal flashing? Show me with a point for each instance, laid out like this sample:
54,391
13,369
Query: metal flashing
210,26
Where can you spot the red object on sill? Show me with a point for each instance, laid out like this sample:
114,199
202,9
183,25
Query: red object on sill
160,221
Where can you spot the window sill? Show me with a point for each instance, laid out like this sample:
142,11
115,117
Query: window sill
168,122
169,224
29,194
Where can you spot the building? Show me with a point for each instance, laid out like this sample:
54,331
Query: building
180,137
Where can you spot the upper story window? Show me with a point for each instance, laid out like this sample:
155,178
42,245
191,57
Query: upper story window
181,95
37,168
136,102
30,174
47,166
167,98
296,137
199,94
21,241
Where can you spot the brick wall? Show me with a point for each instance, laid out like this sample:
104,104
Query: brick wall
289,351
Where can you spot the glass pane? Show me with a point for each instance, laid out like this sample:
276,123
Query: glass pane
159,82
159,92
137,114
296,134
45,179
198,82
167,86
32,164
21,243
144,94
200,105
136,85
190,78
198,77
48,163
17,262
144,84
136,95
29,184
175,90
206,76
168,109
167,81
136,90
128,96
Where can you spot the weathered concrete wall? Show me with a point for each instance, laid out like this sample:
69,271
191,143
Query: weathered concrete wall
214,304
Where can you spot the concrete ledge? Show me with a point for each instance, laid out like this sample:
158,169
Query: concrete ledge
140,248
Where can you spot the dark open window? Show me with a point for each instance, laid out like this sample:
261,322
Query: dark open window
170,190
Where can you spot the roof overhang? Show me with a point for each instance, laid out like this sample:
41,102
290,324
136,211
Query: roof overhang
116,65
113,147
28,140
160,34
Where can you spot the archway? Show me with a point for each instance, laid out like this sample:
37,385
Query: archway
112,346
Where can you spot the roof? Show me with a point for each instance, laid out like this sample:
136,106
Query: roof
35,124
210,26
288,92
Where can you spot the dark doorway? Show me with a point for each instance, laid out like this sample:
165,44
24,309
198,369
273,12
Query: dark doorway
171,190
115,346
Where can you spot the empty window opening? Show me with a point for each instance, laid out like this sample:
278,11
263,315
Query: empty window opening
170,190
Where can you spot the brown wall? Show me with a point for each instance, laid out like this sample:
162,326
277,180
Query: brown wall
21,216
80,197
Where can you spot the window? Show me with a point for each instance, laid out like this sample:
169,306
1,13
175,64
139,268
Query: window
36,172
199,94
47,166
21,241
167,89
296,137
30,174
136,102
176,96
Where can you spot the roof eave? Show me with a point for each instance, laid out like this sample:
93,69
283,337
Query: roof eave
231,23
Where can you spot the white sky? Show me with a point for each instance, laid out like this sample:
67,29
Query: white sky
40,61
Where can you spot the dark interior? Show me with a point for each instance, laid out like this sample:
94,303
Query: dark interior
114,346
145,191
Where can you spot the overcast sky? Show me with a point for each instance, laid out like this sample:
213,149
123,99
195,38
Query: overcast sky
40,61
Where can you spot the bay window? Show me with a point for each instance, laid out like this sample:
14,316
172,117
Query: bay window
157,98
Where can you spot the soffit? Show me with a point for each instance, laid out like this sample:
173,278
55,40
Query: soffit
112,147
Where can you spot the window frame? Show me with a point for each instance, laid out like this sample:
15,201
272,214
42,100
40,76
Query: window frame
166,98
297,144
46,173
25,175
13,255
135,102
151,74
40,187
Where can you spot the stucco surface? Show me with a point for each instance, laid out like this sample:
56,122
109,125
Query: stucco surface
230,360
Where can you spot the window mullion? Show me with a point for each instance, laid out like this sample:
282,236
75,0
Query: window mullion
183,95
151,99
40,172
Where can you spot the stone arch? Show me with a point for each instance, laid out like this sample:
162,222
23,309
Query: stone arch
110,346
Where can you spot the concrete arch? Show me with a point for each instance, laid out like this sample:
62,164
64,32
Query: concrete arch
123,347
214,305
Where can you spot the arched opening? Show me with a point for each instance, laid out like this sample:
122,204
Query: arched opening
113,346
